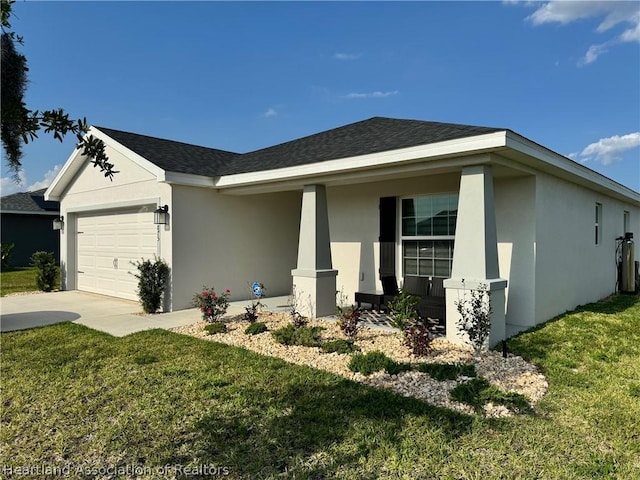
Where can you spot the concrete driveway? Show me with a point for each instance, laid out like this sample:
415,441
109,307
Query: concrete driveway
111,315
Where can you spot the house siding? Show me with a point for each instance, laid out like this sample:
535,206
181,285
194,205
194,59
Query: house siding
571,269
29,234
226,241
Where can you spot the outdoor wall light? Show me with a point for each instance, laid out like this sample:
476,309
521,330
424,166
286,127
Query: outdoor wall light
161,215
58,223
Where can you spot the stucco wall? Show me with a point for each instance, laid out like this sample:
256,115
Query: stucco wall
91,191
571,269
354,227
515,226
226,241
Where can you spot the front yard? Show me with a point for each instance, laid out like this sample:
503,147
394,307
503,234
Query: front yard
152,404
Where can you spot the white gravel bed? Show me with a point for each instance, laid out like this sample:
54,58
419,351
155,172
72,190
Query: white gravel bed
512,374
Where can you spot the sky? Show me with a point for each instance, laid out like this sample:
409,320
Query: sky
240,76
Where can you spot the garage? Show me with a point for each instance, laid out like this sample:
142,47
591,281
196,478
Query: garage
107,243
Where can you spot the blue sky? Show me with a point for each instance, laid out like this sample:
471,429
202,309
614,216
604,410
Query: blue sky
241,76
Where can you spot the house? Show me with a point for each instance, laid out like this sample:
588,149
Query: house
27,220
338,209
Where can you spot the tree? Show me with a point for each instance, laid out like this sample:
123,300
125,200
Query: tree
19,125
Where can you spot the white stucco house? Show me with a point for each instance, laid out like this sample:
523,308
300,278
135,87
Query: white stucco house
335,210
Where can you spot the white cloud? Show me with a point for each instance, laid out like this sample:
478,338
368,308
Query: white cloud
346,56
376,94
608,150
614,12
47,180
271,112
9,186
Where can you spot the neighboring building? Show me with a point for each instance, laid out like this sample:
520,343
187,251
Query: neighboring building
27,222
333,210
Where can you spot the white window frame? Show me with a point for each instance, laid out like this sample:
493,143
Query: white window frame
402,238
598,224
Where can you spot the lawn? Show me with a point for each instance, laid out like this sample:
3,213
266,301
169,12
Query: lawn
21,279
79,399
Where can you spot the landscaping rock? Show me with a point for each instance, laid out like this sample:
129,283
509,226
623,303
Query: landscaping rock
512,374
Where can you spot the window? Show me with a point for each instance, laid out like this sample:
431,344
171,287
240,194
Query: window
626,222
428,231
598,229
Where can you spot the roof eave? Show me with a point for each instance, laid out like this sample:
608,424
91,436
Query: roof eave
363,163
76,160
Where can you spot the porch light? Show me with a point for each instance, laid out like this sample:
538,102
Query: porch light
161,215
58,223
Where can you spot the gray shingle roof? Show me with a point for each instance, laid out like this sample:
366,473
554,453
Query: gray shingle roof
173,156
28,202
377,134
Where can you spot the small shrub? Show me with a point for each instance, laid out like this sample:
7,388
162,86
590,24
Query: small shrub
212,305
402,310
47,270
255,328
376,361
251,312
418,338
340,346
152,280
292,335
216,327
478,391
6,250
297,318
475,316
471,392
447,371
348,321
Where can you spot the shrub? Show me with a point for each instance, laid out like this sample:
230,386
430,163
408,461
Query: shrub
478,391
47,270
297,318
304,336
402,310
6,250
418,338
212,305
375,361
251,312
216,327
447,371
255,328
340,346
475,316
348,319
152,280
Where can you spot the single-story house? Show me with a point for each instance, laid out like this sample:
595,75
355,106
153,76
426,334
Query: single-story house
27,220
337,210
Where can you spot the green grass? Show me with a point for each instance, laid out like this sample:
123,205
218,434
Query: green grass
74,396
21,279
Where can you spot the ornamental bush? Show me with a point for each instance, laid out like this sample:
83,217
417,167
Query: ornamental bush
212,305
47,270
256,328
152,281
475,316
214,328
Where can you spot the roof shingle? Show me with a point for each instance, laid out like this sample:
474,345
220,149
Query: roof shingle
377,134
28,202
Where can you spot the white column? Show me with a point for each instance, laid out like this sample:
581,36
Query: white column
314,279
475,257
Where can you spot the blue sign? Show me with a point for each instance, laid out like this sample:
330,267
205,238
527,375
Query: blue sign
257,288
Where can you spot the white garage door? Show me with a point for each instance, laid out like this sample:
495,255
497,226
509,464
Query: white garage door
106,246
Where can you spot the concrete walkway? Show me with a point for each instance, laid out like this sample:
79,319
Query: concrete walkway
114,316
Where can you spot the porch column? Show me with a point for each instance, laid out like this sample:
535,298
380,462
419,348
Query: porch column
314,279
475,257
